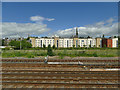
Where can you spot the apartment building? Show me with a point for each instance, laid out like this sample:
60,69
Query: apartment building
74,41
114,42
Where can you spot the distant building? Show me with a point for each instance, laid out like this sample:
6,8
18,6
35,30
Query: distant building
6,41
99,42
60,42
107,42
73,41
114,42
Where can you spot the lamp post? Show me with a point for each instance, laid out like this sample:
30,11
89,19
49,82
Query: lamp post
87,43
20,43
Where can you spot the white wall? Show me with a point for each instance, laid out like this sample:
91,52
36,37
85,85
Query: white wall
115,42
63,42
45,41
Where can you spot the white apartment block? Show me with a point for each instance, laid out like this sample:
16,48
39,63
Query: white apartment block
114,42
65,42
70,42
39,42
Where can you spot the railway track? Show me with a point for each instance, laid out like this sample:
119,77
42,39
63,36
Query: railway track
60,60
57,65
60,75
89,81
66,85
73,72
25,74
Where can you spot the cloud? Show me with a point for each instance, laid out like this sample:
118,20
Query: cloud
37,18
110,20
95,30
50,19
15,30
40,19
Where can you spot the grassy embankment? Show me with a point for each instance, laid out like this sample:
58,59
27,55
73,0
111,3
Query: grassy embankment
61,53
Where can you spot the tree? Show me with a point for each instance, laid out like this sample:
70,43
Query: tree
118,41
49,51
90,46
28,38
3,42
44,46
84,45
24,44
115,36
99,46
109,45
88,37
103,35
104,46
15,43
73,46
53,47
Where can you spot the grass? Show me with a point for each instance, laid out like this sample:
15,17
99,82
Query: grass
60,53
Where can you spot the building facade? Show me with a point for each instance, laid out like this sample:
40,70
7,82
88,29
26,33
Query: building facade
74,42
114,42
99,42
106,42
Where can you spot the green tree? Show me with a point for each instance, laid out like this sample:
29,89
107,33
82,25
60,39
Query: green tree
84,46
103,35
118,41
99,46
44,46
109,46
49,51
3,42
53,47
24,44
104,46
89,46
28,38
15,43
73,46
115,36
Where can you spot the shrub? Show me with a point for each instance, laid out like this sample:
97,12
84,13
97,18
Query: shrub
53,47
95,54
7,48
49,51
30,56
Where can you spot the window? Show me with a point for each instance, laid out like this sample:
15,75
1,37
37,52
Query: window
76,43
117,43
41,43
90,42
82,40
57,43
67,43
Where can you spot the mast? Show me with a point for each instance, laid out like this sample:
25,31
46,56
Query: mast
76,32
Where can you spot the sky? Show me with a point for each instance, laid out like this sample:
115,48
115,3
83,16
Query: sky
59,18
